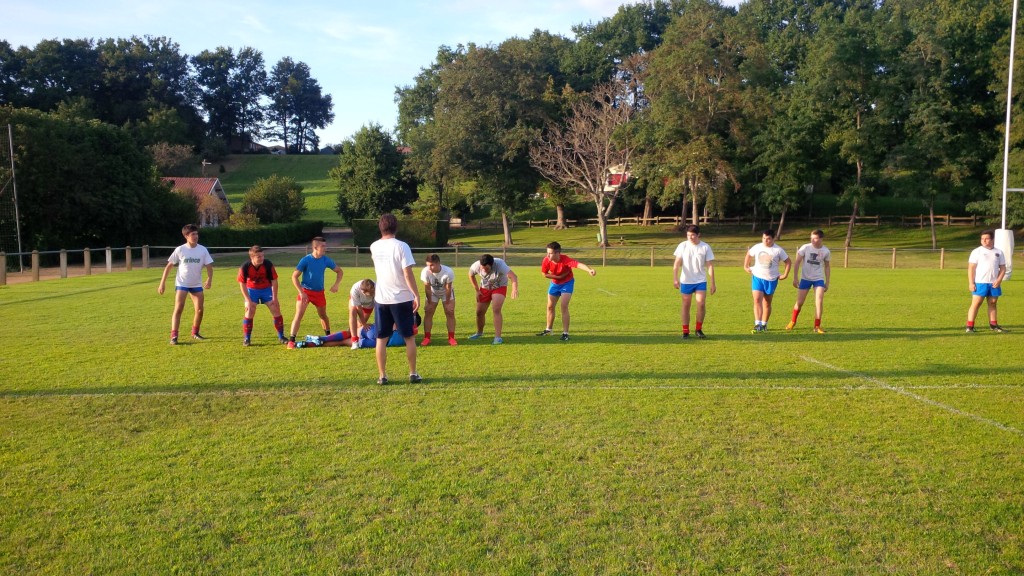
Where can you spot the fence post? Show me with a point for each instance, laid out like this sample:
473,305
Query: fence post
846,254
3,268
35,265
145,256
128,258
456,255
942,259
652,256
357,256
604,256
894,258
110,260
63,263
504,253
87,261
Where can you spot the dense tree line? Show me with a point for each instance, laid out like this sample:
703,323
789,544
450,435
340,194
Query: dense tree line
164,96
737,111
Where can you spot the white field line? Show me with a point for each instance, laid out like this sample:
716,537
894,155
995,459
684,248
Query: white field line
607,292
904,392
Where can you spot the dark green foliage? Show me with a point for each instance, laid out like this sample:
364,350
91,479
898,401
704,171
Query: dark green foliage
370,176
272,235
275,200
88,184
417,233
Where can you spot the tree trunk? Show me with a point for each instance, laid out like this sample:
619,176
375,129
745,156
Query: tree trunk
559,216
507,226
694,219
602,218
753,224
782,222
931,219
849,227
648,211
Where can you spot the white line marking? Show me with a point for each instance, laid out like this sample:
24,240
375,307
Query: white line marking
607,292
918,397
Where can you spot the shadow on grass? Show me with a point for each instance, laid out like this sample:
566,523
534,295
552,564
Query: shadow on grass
70,294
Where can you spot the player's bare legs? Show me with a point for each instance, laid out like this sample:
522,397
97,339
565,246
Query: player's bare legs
499,301
700,296
179,307
552,300
565,298
972,312
428,316
449,313
759,305
325,322
481,315
819,302
300,311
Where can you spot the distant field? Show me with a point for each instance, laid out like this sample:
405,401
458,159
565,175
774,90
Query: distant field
890,445
311,171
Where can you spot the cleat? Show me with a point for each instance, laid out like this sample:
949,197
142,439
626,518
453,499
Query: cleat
415,378
174,341
312,340
544,332
246,342
282,340
565,337
997,328
686,335
970,330
425,342
383,380
292,345
452,342
302,344
700,334
497,340
818,330
355,345
791,325
198,336
475,336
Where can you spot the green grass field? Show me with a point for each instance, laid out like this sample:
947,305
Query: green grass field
890,445
310,171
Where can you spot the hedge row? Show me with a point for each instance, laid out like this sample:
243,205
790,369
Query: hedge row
417,233
269,235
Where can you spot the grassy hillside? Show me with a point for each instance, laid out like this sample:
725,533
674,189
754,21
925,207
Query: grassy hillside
242,171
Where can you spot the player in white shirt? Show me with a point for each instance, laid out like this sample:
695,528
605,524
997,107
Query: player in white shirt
360,307
693,274
762,263
437,285
495,276
986,269
397,296
190,258
813,269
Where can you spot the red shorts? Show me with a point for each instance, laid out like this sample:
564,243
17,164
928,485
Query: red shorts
316,297
486,295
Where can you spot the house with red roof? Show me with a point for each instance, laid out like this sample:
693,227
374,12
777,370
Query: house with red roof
208,194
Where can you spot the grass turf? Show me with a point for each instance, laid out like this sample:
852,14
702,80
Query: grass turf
889,445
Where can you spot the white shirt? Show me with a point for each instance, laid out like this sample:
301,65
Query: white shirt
813,266
766,261
438,281
988,263
190,262
357,298
496,279
694,259
391,257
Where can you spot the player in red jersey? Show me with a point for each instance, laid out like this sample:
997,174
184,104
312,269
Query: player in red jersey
257,279
558,268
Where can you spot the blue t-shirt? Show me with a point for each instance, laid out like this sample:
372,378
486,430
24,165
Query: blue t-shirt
313,271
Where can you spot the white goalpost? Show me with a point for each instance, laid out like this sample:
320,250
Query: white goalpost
1004,237
10,222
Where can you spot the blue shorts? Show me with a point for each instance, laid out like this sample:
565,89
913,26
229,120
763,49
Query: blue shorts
762,285
196,290
261,295
557,290
691,288
807,284
987,291
390,315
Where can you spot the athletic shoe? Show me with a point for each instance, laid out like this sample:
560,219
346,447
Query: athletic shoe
700,334
475,336
355,345
791,325
565,337
757,329
818,330
282,340
970,330
291,345
174,341
544,332
245,342
312,340
452,342
997,328
198,336
415,378
686,335
383,380
302,344
426,342
498,340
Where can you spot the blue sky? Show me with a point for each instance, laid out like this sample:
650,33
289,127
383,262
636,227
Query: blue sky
359,51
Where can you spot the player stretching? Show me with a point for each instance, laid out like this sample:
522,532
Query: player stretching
558,268
311,269
360,306
191,257
986,269
762,263
495,276
437,285
813,269
257,279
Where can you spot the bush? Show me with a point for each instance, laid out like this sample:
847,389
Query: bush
272,235
417,233
275,199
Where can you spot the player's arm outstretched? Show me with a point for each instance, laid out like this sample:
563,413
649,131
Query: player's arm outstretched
586,268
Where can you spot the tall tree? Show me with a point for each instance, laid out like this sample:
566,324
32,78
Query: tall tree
370,175
298,106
